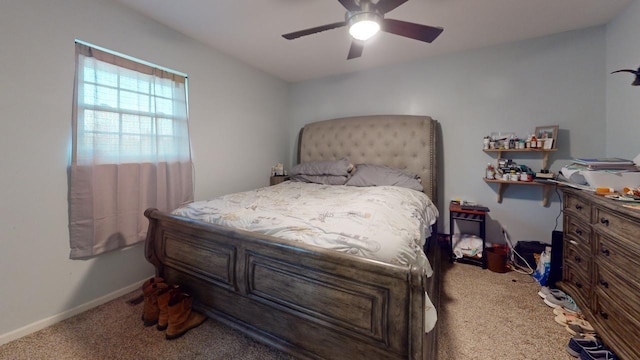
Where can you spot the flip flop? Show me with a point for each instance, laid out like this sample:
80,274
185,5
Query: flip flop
582,328
567,319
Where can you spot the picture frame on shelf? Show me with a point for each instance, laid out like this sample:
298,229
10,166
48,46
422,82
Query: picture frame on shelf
546,133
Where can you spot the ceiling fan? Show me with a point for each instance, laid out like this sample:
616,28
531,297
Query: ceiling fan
365,18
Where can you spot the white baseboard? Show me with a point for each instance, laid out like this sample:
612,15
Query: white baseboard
41,324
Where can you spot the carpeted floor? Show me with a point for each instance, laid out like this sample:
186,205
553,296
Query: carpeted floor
487,315
484,315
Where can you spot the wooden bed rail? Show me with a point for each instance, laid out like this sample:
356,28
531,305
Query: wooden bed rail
311,302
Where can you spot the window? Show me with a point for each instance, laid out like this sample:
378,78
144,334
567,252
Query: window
126,115
130,148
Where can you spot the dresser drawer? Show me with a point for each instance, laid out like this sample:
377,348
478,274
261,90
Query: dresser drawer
576,256
622,329
624,289
579,231
578,280
606,221
575,205
620,254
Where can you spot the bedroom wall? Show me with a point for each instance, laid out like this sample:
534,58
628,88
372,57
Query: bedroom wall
557,79
623,52
238,129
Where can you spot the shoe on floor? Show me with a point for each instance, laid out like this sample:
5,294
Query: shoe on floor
545,290
576,345
564,301
181,317
581,326
151,311
561,311
578,330
567,318
597,355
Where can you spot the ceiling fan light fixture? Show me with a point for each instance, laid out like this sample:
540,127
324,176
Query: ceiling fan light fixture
364,25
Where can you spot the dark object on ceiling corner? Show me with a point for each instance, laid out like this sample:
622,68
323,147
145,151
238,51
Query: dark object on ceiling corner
635,82
360,11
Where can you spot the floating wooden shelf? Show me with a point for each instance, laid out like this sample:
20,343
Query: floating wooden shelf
503,184
544,152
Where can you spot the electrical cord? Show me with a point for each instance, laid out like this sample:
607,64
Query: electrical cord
560,212
514,265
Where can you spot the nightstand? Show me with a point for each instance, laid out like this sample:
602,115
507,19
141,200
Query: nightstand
477,215
277,179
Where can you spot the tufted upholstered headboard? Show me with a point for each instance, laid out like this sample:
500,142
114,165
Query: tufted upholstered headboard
404,142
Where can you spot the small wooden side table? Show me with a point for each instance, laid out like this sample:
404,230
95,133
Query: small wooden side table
478,215
277,179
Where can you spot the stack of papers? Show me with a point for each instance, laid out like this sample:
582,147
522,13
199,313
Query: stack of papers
606,164
616,173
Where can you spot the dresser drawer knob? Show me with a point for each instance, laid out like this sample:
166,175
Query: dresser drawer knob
604,283
578,284
578,207
605,252
604,315
604,221
577,259
579,232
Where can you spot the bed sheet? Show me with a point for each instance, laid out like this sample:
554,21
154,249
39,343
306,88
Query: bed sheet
385,223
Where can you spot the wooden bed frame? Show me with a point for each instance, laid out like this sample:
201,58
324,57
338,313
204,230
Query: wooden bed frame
310,302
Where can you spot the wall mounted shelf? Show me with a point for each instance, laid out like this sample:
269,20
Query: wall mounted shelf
503,184
544,152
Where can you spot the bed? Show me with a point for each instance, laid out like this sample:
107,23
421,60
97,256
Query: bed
308,301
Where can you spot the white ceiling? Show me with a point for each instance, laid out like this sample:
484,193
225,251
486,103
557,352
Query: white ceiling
251,30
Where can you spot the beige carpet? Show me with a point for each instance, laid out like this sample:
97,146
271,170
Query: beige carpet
484,315
487,315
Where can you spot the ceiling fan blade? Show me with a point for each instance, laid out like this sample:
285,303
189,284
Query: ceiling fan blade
350,5
411,30
317,29
356,49
384,6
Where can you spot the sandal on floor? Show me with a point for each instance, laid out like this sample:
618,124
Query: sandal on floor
561,311
580,329
566,319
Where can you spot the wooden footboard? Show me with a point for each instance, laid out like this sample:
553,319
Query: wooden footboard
310,302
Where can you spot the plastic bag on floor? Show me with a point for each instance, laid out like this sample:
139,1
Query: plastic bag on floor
544,266
467,245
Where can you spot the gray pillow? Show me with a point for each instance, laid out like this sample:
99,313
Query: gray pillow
320,179
330,167
378,175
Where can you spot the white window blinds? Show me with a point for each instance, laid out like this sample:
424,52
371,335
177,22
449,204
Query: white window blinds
130,149
125,115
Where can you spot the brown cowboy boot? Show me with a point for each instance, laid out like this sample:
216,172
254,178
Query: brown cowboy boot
164,295
151,311
151,281
147,290
181,317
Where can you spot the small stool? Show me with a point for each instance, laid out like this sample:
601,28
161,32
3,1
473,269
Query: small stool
468,213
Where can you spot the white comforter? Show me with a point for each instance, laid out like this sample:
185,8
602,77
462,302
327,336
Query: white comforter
384,223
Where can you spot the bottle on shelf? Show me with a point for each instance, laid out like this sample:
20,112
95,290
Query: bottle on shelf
491,172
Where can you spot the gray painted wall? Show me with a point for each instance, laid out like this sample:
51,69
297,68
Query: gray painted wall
240,126
558,79
623,109
238,130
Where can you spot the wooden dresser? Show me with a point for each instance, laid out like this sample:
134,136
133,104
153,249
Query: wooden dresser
601,267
